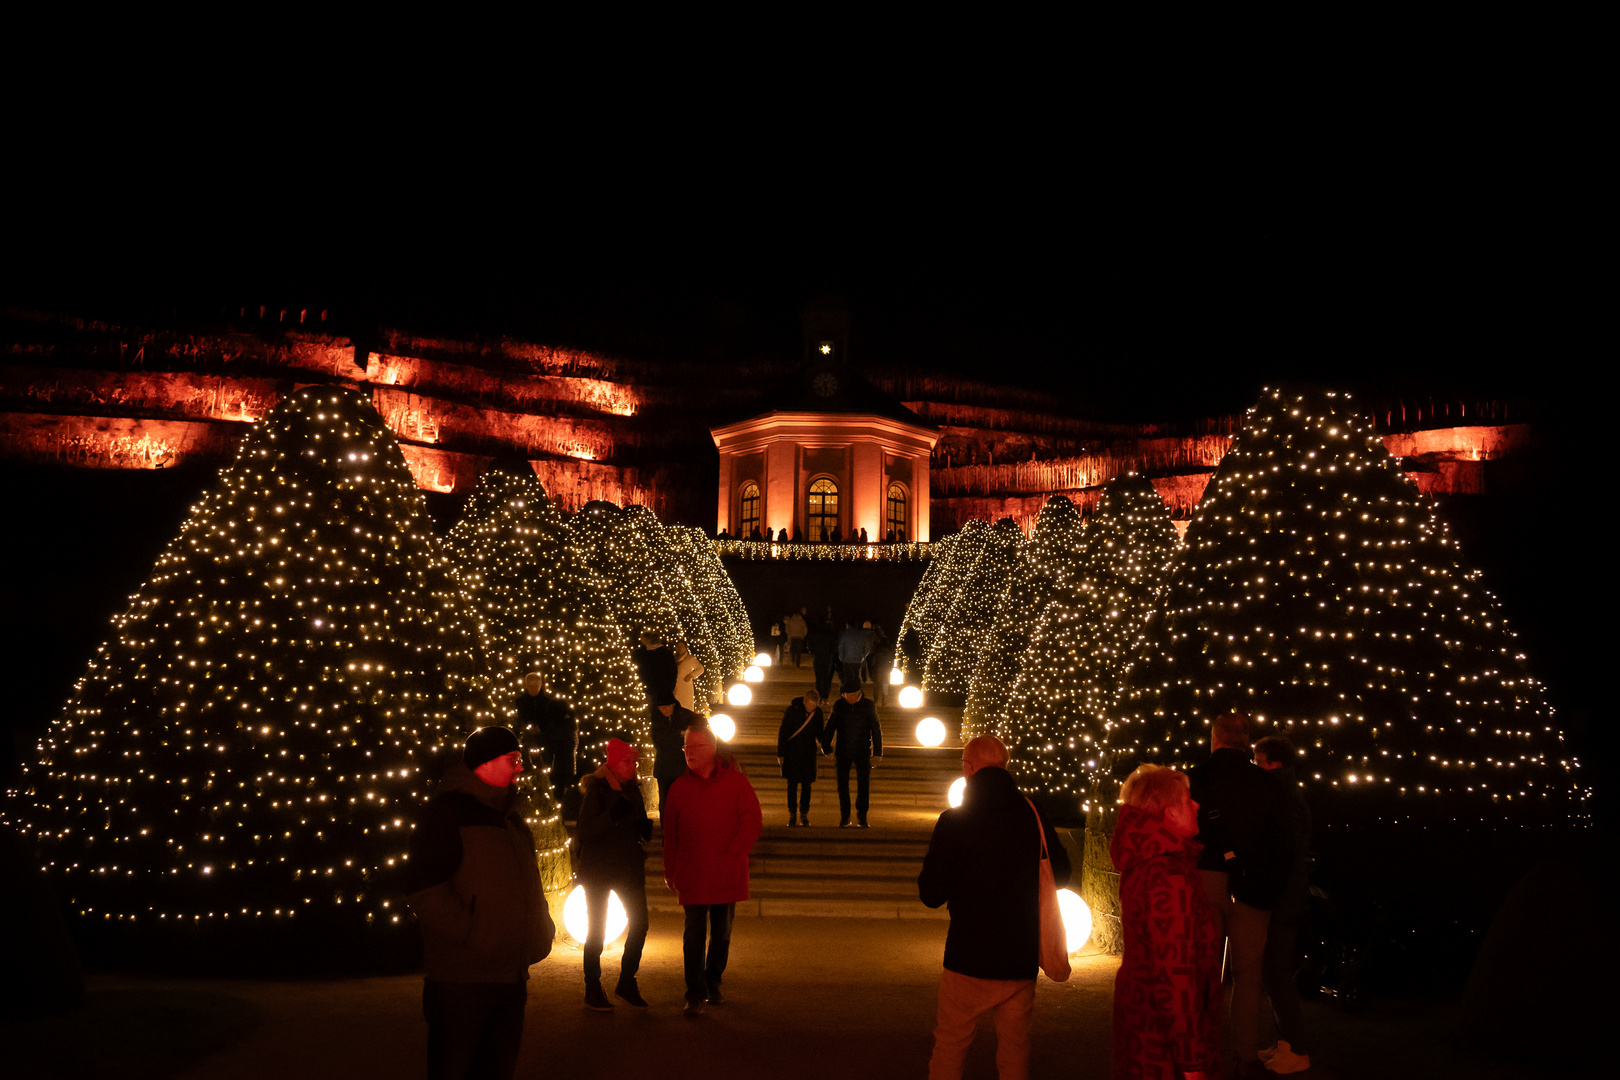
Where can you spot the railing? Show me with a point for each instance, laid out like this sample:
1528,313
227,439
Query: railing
763,549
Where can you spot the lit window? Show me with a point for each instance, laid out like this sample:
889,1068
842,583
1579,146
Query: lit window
750,509
823,512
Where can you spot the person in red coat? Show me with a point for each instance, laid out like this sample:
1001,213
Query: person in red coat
1167,995
711,822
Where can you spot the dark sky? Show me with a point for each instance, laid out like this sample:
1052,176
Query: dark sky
1174,268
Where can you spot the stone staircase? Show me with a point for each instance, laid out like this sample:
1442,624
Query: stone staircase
823,870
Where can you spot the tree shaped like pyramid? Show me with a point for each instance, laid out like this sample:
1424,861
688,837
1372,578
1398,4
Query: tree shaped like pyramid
971,619
1055,543
1318,593
954,563
247,751
722,606
605,539
914,618
1071,676
673,572
542,609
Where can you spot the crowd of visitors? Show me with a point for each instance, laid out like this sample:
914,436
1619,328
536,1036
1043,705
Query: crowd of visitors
1213,868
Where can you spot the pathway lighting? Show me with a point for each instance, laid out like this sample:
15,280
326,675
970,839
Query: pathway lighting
911,697
577,923
1076,919
958,786
754,674
930,732
739,696
723,726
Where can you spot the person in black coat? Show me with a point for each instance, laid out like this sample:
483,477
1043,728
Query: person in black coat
547,721
856,741
1243,825
656,664
798,744
822,641
1277,756
669,722
613,824
983,860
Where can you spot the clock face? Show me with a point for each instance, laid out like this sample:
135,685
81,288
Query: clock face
825,384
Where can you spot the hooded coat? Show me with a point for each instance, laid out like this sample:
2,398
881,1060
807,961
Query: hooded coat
710,826
474,883
1167,994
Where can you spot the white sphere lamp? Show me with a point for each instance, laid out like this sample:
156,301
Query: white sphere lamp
896,676
930,732
1076,919
754,673
739,695
911,697
958,788
762,659
723,726
577,923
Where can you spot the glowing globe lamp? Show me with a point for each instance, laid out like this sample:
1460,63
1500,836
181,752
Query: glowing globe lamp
930,732
739,695
762,659
723,726
911,697
577,923
896,676
753,674
958,787
1076,919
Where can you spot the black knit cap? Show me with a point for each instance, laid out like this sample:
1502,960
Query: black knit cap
487,744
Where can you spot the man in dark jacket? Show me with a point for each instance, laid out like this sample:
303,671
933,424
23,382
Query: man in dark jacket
1243,826
546,720
657,667
983,860
798,744
822,641
613,823
1276,755
474,884
853,645
855,739
669,723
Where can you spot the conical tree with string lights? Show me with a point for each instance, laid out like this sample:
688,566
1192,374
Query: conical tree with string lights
1319,593
673,572
1056,540
1070,676
542,609
237,772
916,618
722,607
606,540
955,564
966,629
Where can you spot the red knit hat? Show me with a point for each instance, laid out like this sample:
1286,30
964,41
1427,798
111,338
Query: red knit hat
618,750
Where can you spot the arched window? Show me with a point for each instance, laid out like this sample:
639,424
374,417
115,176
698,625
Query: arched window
897,512
750,510
823,512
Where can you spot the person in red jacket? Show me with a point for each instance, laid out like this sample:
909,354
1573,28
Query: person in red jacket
1167,995
711,821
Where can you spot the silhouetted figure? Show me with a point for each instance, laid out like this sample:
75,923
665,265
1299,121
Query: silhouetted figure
613,824
798,745
855,740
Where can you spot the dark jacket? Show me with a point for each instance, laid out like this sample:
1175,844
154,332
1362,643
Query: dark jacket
1167,992
799,751
853,645
612,827
474,884
1291,904
984,861
821,641
669,740
657,668
1243,825
710,825
547,717
853,731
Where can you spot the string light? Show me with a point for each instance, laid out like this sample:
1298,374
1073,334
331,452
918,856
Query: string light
971,615
1089,627
252,742
1318,593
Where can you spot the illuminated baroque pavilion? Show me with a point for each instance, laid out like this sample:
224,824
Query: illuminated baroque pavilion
835,455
